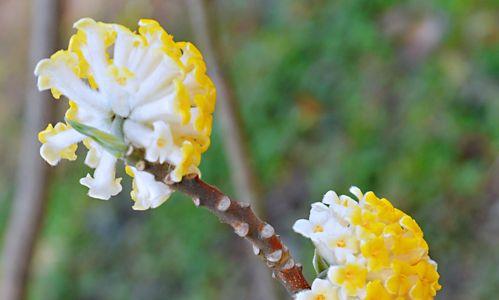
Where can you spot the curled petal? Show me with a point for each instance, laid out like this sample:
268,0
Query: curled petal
59,142
94,153
147,192
104,184
59,72
172,107
186,161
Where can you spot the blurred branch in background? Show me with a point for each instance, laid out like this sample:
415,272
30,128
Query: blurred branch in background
243,176
33,180
201,13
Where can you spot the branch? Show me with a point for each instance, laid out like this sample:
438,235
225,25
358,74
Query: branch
28,205
266,243
203,20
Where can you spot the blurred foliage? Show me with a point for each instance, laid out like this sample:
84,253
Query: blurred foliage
398,97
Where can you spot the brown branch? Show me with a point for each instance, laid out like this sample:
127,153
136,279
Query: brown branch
266,243
246,224
203,20
29,201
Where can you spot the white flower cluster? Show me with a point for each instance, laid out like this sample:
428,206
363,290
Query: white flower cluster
374,251
144,88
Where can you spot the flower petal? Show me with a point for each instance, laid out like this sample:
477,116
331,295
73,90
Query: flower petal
104,184
147,192
58,72
59,142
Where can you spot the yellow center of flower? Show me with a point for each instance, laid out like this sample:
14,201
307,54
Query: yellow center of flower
320,297
318,228
340,243
161,142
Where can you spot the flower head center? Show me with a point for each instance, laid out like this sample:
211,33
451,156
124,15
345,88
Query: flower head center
161,142
318,228
320,297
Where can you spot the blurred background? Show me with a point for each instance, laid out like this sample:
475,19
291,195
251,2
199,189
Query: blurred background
398,97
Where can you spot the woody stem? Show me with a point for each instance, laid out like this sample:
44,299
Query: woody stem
266,243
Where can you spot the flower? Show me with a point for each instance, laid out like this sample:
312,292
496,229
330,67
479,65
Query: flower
58,142
143,88
321,290
147,192
374,250
350,277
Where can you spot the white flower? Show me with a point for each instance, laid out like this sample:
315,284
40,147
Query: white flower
162,143
158,142
94,153
147,192
104,184
337,243
321,290
143,87
59,142
319,215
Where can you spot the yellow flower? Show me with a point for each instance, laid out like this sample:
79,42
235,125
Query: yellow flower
367,222
376,253
351,277
398,283
427,280
393,261
376,291
409,224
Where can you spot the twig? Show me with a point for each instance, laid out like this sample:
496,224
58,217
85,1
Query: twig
266,243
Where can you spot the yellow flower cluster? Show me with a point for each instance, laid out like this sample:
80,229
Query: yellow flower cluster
375,250
142,86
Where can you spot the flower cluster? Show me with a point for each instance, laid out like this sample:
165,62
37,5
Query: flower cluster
372,249
143,88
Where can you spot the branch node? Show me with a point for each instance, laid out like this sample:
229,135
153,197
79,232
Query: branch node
256,249
244,204
274,256
223,204
241,229
289,264
299,266
265,242
267,231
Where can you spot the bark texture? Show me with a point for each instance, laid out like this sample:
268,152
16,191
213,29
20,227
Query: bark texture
239,215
